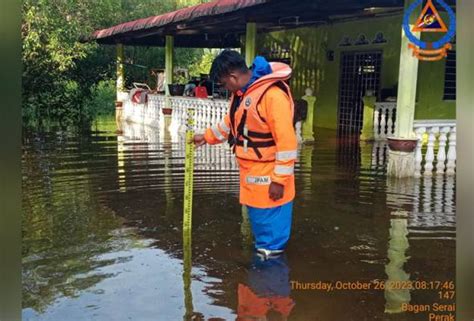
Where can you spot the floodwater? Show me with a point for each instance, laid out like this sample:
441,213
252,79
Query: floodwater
102,234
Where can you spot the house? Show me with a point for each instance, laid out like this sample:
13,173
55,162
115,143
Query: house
354,56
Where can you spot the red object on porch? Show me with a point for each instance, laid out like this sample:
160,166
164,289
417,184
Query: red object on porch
139,96
213,8
201,92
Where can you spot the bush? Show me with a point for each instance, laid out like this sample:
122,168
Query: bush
101,101
58,105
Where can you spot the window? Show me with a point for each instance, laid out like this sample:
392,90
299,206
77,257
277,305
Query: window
450,76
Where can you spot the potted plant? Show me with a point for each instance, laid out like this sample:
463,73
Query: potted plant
177,88
398,144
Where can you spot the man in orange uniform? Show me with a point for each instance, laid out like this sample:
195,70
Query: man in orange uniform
259,128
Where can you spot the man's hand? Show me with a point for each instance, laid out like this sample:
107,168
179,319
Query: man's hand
275,191
199,140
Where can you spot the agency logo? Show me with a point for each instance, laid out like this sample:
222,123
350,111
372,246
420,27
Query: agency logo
430,21
248,102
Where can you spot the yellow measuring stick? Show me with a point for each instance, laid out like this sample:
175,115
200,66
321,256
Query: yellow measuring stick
188,172
188,213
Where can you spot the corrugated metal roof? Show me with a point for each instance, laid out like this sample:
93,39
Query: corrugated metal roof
214,8
221,23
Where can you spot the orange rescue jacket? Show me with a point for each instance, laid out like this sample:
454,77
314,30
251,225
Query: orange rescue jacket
261,132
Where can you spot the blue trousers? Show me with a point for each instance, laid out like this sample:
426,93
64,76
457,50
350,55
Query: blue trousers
271,227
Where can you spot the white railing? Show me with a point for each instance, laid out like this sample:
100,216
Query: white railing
148,114
439,155
384,119
207,112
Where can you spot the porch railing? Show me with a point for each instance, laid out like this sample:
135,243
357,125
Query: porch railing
436,150
207,112
384,119
149,114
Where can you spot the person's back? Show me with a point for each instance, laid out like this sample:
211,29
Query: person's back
259,128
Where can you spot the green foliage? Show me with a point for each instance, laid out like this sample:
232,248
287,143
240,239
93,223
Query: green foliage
52,92
203,64
64,81
101,101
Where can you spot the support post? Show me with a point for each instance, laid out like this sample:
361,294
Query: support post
250,42
120,70
402,163
169,48
120,85
407,80
307,128
367,133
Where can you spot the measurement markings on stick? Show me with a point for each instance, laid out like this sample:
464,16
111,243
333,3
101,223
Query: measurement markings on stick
187,213
188,171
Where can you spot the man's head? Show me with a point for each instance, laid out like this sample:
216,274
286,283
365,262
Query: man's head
230,70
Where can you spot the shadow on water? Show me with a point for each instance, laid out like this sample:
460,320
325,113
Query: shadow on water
102,236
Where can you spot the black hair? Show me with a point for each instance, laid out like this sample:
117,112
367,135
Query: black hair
226,62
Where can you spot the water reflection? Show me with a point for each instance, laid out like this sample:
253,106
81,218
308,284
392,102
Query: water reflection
395,293
266,294
246,230
305,164
103,231
187,268
429,205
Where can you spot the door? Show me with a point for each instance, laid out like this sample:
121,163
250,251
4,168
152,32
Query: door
360,71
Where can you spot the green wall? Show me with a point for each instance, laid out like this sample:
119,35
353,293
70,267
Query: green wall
430,87
312,69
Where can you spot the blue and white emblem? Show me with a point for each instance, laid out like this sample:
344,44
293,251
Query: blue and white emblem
248,101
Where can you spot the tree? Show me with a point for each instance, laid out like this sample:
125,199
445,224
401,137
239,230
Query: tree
60,74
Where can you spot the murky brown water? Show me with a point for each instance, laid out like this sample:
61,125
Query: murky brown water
102,236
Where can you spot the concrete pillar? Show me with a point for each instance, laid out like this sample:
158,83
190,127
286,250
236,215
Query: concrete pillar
250,42
120,86
368,120
120,70
407,81
402,163
169,49
307,128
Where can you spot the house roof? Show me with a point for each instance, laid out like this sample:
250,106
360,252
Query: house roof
221,23
154,23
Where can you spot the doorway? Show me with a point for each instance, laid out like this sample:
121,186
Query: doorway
360,71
